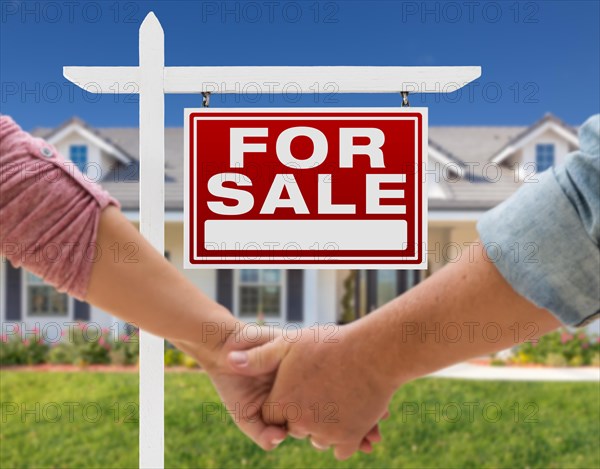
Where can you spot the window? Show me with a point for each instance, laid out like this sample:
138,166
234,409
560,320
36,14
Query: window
260,293
544,156
387,286
78,155
43,299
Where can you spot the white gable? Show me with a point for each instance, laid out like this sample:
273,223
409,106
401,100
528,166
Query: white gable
436,189
440,170
523,150
101,155
562,147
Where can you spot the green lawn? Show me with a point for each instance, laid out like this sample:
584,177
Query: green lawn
552,425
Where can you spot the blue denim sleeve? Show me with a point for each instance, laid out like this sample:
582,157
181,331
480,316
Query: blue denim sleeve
558,220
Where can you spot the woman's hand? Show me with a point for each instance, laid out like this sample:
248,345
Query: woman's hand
243,396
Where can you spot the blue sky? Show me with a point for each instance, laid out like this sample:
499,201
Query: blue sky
537,57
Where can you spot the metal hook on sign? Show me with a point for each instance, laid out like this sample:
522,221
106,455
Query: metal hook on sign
405,102
205,98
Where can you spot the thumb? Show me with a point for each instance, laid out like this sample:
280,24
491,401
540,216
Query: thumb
259,360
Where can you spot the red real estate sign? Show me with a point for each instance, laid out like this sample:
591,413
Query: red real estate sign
305,188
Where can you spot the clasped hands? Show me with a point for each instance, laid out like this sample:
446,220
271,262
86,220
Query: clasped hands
318,385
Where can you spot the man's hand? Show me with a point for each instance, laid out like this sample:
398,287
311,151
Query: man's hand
326,388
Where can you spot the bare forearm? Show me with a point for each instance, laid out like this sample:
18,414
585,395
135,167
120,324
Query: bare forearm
465,310
148,291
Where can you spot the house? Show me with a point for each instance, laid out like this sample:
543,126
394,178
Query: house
470,170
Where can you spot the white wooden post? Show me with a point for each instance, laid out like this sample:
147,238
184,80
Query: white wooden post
153,80
152,214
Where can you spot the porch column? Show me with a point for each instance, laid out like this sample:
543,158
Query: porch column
327,296
311,300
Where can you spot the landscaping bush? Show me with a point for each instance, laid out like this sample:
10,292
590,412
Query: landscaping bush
22,350
173,357
82,345
91,345
556,359
61,354
125,350
560,348
189,362
12,352
85,344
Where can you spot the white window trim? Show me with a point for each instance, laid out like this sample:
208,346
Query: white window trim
25,306
267,318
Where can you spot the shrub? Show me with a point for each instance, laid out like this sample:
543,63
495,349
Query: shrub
82,345
18,350
90,346
12,352
36,351
556,359
118,356
61,354
189,362
125,350
560,348
173,357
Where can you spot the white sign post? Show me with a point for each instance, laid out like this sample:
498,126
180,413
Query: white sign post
153,80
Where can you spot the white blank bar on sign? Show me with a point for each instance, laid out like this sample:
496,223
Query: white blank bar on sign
343,234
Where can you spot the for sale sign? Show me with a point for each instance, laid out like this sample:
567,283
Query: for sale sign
305,188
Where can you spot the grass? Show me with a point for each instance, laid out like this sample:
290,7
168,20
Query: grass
541,425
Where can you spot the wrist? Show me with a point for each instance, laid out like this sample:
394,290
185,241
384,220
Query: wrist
370,353
208,345
392,361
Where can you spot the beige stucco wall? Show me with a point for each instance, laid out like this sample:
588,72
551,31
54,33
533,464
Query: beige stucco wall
448,241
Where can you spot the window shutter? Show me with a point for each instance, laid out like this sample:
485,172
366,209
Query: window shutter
295,295
82,310
371,290
225,288
13,293
401,281
357,295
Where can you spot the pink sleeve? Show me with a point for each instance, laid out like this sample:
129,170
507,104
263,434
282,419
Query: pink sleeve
49,212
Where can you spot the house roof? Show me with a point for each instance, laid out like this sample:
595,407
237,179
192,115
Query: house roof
470,147
87,131
473,144
549,121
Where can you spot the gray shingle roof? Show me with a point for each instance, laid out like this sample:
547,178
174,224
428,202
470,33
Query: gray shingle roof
548,117
471,146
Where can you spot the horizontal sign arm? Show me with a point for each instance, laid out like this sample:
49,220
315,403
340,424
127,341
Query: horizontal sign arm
339,79
105,79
